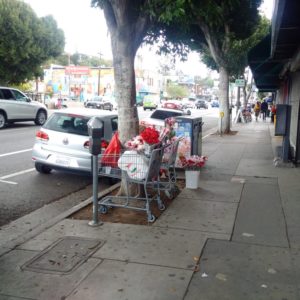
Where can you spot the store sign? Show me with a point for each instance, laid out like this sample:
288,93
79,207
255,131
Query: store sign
77,70
240,82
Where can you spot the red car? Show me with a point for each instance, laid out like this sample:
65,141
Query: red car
172,104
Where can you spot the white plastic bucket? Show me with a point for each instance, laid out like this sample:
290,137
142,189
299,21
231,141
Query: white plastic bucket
192,179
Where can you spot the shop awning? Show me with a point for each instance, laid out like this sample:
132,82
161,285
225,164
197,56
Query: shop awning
267,59
264,69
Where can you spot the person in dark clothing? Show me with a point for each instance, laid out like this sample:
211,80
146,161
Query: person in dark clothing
264,109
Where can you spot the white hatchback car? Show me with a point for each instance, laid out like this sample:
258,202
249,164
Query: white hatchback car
17,107
63,142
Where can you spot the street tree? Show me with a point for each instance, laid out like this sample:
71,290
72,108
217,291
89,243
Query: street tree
129,22
177,91
26,42
237,57
225,25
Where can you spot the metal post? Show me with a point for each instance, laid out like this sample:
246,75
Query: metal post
99,76
95,221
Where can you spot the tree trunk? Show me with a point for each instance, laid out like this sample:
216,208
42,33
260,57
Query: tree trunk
224,123
125,91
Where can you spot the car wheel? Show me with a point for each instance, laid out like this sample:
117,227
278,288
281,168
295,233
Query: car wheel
41,118
42,168
2,120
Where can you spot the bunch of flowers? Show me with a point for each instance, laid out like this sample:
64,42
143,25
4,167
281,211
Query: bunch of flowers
136,143
194,162
150,136
168,132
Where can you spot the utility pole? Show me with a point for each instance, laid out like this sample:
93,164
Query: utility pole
99,74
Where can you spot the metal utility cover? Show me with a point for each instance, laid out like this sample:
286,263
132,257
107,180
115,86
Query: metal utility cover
64,256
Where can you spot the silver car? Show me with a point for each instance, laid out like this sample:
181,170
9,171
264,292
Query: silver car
17,107
63,142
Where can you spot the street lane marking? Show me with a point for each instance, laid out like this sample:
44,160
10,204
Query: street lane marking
16,152
9,182
17,173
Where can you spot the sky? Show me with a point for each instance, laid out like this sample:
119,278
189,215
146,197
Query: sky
86,31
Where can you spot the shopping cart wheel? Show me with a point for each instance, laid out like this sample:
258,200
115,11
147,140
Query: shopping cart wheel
151,218
103,209
162,207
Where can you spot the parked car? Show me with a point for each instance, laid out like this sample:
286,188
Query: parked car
150,102
214,103
157,118
201,104
99,102
63,142
15,106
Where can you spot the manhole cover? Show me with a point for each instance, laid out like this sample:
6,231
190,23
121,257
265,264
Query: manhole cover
65,255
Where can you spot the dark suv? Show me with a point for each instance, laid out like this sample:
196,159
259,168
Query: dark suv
201,104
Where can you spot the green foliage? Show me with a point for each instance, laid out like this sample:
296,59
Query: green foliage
177,91
206,82
26,41
80,59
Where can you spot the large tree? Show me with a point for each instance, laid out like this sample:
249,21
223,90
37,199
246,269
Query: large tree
26,41
224,24
129,22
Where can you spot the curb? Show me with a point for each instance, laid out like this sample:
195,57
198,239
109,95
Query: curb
32,232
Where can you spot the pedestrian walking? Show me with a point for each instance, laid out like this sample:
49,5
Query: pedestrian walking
264,109
256,109
273,113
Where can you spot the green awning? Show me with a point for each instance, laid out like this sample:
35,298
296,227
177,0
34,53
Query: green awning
264,69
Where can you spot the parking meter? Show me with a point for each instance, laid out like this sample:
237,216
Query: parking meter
96,132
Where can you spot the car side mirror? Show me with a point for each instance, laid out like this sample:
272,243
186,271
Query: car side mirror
28,99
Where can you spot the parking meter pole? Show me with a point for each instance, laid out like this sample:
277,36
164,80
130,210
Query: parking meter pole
96,131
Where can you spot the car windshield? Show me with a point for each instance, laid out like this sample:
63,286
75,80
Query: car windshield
68,123
98,99
164,114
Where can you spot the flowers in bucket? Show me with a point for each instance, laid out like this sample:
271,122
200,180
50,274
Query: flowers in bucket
192,163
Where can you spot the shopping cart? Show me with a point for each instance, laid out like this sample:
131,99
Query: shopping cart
168,168
134,168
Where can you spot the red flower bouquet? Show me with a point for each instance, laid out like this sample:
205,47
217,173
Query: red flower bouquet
193,162
150,136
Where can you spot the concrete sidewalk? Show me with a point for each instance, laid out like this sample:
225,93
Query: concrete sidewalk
236,237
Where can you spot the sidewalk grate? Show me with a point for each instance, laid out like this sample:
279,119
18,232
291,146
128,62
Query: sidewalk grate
63,256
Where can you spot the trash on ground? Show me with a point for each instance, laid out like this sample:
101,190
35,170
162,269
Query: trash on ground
246,234
221,276
272,271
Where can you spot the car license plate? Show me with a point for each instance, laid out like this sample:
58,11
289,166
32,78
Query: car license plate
63,161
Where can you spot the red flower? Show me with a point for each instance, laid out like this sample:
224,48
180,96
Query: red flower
150,135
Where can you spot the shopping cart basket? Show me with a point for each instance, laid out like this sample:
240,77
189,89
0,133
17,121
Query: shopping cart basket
168,168
134,168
